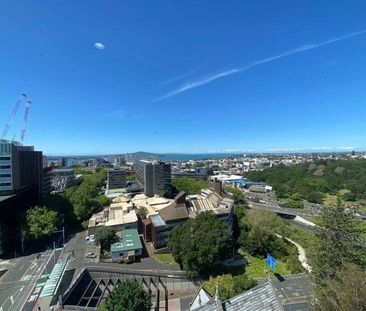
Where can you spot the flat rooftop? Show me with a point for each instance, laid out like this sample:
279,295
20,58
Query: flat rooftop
129,240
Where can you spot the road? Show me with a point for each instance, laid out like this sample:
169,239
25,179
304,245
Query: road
277,209
22,284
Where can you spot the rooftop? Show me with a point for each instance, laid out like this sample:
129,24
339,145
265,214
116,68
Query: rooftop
209,200
114,215
129,240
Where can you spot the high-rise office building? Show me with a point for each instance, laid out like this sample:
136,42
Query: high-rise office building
21,185
20,168
63,162
116,178
119,161
155,177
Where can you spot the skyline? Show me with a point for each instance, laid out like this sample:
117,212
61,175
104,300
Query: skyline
185,77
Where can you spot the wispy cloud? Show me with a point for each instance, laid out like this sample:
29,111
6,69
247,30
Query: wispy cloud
202,81
209,79
182,76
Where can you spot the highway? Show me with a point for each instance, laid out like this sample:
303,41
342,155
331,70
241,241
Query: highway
277,209
21,285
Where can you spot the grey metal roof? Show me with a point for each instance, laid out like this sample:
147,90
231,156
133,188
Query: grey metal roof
259,298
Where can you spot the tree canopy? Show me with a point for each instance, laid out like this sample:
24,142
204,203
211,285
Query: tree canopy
338,262
338,242
127,296
313,180
105,236
41,222
238,195
189,185
200,243
228,285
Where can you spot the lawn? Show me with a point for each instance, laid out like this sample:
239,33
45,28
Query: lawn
166,259
255,268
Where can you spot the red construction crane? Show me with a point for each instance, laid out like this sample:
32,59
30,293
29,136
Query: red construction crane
12,115
25,118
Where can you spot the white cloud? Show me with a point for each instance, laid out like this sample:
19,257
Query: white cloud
99,46
208,79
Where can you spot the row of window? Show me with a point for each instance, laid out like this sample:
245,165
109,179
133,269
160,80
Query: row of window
5,175
4,158
4,167
4,184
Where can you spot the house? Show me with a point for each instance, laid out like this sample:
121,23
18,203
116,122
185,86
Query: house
129,246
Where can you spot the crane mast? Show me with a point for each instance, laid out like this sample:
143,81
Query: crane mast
21,97
25,118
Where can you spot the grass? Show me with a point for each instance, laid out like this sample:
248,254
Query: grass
166,259
255,269
256,266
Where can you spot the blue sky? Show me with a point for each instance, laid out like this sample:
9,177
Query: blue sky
185,76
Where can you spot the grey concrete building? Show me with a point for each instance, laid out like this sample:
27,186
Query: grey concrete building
20,168
116,178
155,177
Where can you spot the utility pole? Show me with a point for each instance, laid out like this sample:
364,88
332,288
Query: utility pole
54,252
63,236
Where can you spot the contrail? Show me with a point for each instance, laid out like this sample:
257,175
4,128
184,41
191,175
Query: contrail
202,81
208,79
182,76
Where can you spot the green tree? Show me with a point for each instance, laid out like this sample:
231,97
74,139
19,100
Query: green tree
337,243
347,291
128,296
189,185
142,211
103,201
41,222
200,243
105,236
293,204
237,194
315,197
229,285
349,196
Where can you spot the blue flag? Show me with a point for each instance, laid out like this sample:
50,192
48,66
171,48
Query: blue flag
271,261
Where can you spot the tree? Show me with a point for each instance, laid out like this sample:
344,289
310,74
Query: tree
105,236
200,243
229,285
314,197
237,194
128,296
189,185
103,201
41,222
142,211
293,204
347,291
338,243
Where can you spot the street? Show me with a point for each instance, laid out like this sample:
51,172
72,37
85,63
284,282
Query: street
21,285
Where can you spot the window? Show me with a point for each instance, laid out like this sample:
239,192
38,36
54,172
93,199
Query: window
5,175
4,184
4,167
4,158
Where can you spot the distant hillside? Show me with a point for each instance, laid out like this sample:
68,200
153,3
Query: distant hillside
311,181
